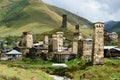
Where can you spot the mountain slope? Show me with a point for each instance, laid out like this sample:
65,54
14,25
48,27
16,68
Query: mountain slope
112,26
72,18
37,18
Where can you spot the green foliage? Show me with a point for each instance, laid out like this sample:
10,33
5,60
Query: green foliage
113,43
118,33
12,11
68,34
9,42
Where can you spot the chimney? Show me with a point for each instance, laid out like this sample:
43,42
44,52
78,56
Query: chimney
64,21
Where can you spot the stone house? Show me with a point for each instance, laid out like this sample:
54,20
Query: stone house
85,49
63,56
111,51
11,55
38,52
113,36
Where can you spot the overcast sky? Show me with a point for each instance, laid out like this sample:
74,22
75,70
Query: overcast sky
93,10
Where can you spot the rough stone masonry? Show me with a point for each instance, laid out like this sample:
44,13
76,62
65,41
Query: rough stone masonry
98,44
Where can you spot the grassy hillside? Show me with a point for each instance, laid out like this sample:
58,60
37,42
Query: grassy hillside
38,17
14,73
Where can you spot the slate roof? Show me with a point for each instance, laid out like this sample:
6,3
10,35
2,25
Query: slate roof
14,52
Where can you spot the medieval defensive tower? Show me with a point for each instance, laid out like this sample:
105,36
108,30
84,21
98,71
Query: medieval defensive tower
64,21
98,44
27,40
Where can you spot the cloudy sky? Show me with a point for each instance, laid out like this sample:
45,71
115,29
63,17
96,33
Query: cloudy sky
93,10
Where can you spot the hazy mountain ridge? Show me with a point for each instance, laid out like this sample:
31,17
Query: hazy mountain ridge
112,26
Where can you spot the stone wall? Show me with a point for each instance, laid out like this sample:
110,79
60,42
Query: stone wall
87,50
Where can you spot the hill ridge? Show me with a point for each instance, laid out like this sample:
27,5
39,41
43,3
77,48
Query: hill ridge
39,17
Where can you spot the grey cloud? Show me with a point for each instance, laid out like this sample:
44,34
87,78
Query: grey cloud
93,10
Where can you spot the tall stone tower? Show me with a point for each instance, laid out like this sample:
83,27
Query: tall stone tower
46,41
54,43
64,21
98,44
57,41
77,37
27,40
60,38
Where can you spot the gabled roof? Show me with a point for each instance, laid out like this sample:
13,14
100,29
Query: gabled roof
14,52
118,49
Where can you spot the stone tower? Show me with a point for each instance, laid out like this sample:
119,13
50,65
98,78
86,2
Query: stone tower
77,37
27,40
75,47
54,43
60,38
98,44
57,41
46,41
64,21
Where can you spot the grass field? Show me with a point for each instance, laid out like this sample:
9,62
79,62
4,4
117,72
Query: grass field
109,71
77,69
22,74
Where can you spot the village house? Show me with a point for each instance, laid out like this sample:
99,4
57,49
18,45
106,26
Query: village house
13,55
113,36
63,56
111,51
110,37
38,51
